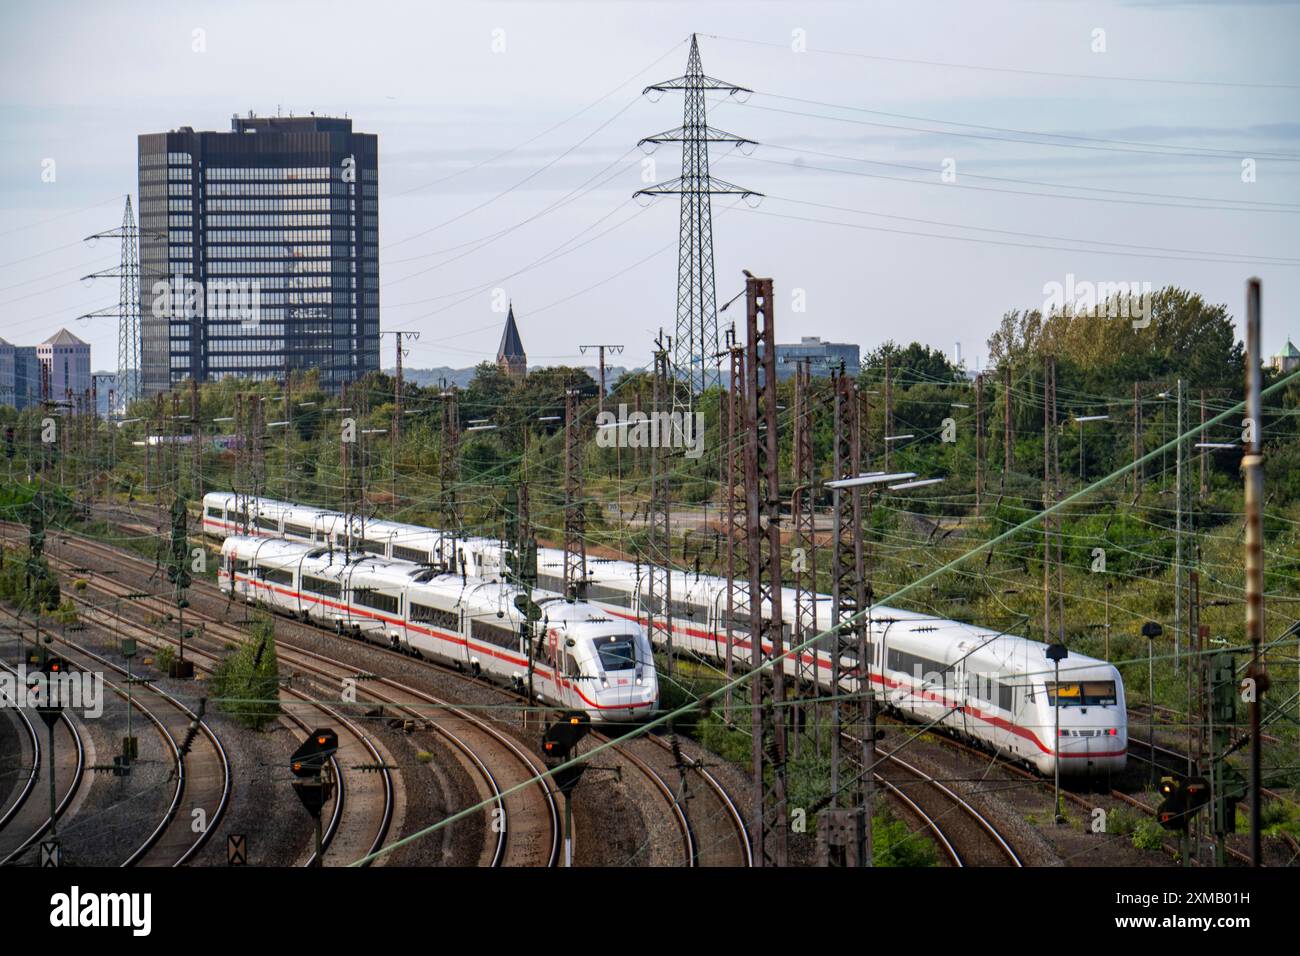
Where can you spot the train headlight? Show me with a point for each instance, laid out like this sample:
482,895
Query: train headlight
604,682
638,682
1112,732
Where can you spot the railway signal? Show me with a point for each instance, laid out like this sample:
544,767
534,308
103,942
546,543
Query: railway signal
1183,796
558,742
562,736
311,762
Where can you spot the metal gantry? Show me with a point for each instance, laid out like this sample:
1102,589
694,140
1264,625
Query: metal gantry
846,835
763,507
696,343
659,565
803,566
736,510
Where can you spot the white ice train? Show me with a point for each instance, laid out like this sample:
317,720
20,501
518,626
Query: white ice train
994,688
583,660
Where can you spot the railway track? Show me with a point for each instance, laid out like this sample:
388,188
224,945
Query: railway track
29,819
356,826
964,835
203,778
724,838
525,824
361,808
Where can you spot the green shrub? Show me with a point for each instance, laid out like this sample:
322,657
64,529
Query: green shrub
246,682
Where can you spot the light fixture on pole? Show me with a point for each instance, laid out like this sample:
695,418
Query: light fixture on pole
1057,653
1151,630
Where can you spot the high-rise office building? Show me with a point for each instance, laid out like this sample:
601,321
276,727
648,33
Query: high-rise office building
31,374
259,251
67,368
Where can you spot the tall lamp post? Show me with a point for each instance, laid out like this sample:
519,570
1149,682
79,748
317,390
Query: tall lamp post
1057,653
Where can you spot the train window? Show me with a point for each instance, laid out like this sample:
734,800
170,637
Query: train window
276,575
1087,694
1096,693
297,530
607,595
915,665
369,597
425,614
241,564
1006,699
216,513
493,634
402,553
268,524
617,652
322,586
372,547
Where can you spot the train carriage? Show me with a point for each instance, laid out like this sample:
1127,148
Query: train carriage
992,688
581,658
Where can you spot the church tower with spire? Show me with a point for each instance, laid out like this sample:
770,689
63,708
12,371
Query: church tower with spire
510,355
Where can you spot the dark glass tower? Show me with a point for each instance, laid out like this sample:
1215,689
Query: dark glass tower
259,251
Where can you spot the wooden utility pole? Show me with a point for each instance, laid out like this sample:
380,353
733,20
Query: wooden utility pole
979,440
888,425
1008,441
1204,451
1137,439
1253,467
1047,499
196,443
395,435
601,348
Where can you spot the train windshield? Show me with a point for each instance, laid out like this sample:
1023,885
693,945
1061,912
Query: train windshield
617,652
1086,694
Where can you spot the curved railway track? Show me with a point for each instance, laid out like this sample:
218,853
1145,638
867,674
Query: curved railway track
375,813
29,819
525,823
203,777
724,835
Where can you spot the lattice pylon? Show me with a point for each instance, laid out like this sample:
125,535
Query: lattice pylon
127,311
575,516
449,478
695,351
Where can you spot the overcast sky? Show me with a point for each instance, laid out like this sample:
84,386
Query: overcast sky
514,168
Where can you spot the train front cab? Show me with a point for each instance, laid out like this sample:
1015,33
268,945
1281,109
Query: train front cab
1093,737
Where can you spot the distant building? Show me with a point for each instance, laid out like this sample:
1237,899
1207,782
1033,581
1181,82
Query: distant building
1288,360
510,354
824,357
276,225
27,371
66,359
